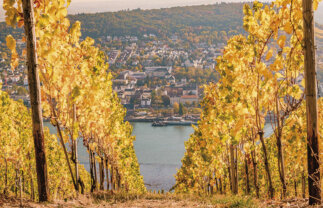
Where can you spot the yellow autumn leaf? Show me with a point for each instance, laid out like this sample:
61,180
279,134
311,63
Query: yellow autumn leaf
295,92
303,83
269,54
62,12
11,43
281,41
288,28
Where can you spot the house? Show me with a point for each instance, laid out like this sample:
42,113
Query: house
128,94
145,102
209,66
133,38
184,99
183,81
320,90
14,79
131,76
190,90
25,81
175,99
120,81
133,80
122,97
113,55
119,88
138,75
158,71
171,79
189,99
198,64
174,91
135,63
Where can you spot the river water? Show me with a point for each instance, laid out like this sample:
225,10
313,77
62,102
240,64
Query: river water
159,151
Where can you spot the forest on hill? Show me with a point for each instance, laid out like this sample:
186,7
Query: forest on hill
217,17
182,21
161,22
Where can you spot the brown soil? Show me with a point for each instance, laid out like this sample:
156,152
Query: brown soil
87,202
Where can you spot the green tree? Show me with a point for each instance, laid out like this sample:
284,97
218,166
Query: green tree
22,91
182,109
166,100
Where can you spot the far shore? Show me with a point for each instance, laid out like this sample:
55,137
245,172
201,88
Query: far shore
151,119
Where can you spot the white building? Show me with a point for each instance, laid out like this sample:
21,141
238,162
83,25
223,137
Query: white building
158,71
184,99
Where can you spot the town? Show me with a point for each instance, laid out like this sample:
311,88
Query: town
155,78
164,75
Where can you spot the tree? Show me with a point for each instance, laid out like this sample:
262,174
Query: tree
34,91
153,97
176,108
182,110
166,100
313,152
21,91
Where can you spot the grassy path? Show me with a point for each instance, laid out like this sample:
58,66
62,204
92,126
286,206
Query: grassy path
154,200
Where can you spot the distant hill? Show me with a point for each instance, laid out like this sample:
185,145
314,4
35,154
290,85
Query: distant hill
222,18
219,17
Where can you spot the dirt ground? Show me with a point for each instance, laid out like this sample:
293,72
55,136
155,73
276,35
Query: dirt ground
140,203
158,201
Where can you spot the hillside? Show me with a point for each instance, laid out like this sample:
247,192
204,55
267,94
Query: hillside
161,22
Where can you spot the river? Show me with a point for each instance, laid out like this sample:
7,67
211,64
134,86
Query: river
159,151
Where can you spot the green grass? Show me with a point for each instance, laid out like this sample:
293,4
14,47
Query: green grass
215,200
236,201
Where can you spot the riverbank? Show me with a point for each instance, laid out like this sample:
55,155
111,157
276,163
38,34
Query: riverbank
151,119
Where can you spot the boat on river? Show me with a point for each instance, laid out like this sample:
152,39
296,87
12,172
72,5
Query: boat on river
158,124
173,123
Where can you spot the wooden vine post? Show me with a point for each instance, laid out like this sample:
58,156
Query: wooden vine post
314,178
34,91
